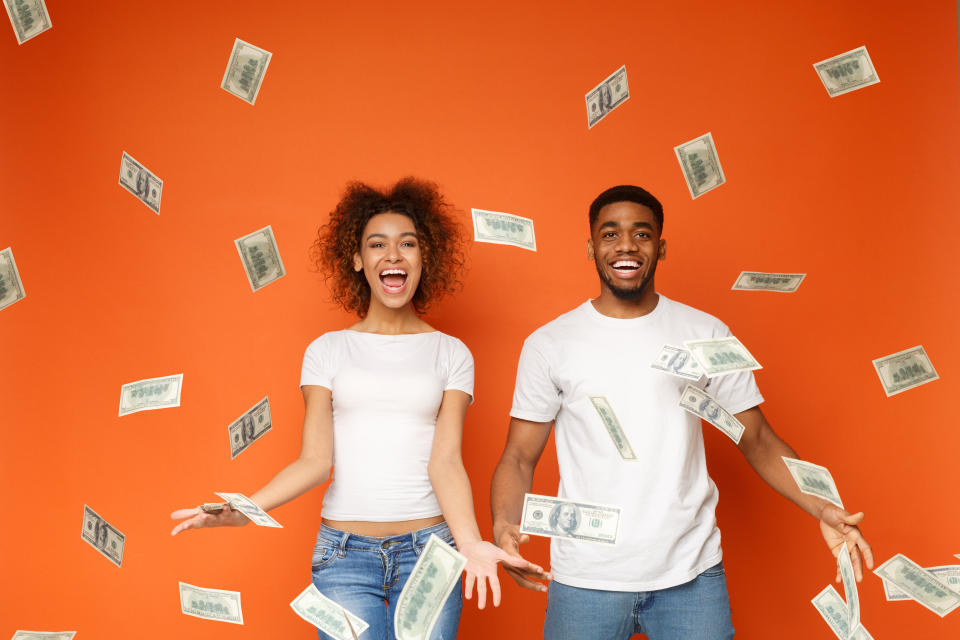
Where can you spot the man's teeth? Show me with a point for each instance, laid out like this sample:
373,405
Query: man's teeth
626,264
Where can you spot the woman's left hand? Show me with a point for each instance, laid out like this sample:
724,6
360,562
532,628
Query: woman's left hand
482,558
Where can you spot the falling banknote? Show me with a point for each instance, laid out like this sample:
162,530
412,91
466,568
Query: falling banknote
102,536
849,586
613,427
948,574
211,604
249,427
831,606
919,584
245,71
43,635
905,370
261,258
813,480
327,615
28,17
607,96
677,361
249,508
700,165
152,393
503,228
758,281
702,404
11,287
720,356
423,596
569,519
139,181
847,72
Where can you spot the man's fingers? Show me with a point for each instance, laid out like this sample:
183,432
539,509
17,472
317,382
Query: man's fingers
524,538
521,579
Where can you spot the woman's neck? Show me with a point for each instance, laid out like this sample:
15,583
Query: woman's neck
381,319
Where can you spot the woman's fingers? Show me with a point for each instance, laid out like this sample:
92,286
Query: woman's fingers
468,585
179,514
481,592
495,590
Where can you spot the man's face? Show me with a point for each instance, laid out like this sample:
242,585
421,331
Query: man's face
625,245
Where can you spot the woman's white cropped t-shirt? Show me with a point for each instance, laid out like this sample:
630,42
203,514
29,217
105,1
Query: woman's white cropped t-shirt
387,391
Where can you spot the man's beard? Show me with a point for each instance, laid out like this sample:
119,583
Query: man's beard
627,295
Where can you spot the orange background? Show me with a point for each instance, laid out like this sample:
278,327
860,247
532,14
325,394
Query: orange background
858,191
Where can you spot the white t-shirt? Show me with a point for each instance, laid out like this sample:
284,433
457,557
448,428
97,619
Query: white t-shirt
668,532
387,391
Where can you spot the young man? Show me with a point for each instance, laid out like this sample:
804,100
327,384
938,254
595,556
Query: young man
663,576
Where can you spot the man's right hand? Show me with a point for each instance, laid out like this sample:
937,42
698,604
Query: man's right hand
509,538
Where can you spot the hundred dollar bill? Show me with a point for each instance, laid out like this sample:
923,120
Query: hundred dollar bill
702,404
849,586
607,96
700,165
720,356
152,393
948,574
679,362
248,428
919,584
212,604
28,17
832,608
139,181
613,427
905,370
261,258
813,480
327,615
249,508
102,536
423,596
569,519
758,281
957,555
503,228
43,635
245,71
847,72
11,287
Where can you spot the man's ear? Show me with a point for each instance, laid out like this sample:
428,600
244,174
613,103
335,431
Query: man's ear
662,255
357,262
590,248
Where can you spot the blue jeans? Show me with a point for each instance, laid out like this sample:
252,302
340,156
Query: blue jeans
696,610
365,575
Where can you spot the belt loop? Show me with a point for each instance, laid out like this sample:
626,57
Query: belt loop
342,547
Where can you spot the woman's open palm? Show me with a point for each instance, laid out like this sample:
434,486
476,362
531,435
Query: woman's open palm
482,558
197,519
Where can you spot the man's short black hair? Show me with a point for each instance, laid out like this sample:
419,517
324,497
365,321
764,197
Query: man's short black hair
627,193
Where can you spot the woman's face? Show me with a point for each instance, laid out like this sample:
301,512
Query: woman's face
390,259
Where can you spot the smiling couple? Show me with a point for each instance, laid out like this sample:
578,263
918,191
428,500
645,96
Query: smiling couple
385,402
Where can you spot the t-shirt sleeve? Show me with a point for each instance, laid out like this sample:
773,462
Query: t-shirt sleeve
317,365
734,392
535,396
460,370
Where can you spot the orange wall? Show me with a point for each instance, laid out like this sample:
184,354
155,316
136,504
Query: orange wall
857,191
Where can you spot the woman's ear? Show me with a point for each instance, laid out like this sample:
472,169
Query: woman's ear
357,262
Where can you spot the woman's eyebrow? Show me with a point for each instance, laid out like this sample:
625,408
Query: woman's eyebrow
383,235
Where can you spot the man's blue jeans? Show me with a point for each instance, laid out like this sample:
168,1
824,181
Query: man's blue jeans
696,610
365,575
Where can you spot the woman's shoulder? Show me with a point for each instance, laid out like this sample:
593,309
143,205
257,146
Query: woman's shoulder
326,340
452,344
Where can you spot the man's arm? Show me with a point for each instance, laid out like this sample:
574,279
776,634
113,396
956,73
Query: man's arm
512,478
763,449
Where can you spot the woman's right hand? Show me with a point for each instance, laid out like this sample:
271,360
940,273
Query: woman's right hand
196,519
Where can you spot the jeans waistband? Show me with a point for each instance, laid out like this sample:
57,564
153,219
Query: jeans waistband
341,539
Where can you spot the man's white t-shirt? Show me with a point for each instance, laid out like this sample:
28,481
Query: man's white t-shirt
668,532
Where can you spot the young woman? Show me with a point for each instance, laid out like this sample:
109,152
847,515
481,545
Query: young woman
385,403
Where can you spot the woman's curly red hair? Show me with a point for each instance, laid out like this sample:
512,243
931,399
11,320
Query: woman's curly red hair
437,231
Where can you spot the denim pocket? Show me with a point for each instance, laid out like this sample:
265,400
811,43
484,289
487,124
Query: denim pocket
714,571
323,555
444,534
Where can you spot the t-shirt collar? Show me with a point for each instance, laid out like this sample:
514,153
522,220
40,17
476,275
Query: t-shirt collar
639,321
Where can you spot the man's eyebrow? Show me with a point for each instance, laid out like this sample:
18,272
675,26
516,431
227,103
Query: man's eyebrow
611,223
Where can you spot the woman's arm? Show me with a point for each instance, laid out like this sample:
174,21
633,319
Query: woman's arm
311,468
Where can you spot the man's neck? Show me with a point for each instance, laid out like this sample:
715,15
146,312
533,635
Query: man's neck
610,305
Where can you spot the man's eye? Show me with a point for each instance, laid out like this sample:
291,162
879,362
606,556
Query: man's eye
609,234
